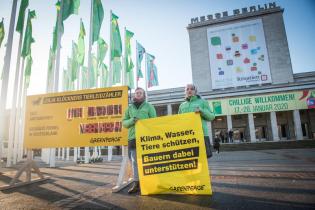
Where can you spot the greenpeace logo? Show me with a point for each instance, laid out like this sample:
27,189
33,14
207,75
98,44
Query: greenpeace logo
187,188
248,79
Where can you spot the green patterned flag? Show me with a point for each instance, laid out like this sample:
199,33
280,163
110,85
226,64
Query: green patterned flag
65,80
104,77
116,68
81,46
20,22
98,16
140,52
152,77
28,70
84,76
50,67
70,7
116,46
128,61
74,62
101,50
93,73
28,38
2,33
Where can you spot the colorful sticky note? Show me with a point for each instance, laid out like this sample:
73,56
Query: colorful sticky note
238,69
227,48
264,77
253,68
219,56
216,40
252,38
246,60
237,53
245,46
229,62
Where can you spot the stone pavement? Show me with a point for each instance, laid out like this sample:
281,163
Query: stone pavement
264,179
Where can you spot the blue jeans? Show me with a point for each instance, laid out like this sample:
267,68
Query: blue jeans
132,153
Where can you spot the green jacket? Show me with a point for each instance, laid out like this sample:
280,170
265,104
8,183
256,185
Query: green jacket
205,112
145,111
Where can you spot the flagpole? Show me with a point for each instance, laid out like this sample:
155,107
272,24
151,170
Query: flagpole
145,77
137,76
124,73
110,73
14,108
52,155
6,71
86,151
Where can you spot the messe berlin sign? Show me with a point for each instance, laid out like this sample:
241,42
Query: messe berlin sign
304,99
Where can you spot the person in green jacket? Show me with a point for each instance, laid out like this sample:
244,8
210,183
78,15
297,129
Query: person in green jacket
194,103
139,109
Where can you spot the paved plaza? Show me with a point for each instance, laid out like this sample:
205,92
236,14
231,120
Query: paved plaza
264,179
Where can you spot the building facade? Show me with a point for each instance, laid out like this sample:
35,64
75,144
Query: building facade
241,64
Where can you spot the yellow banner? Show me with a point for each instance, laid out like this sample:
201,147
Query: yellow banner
76,118
171,155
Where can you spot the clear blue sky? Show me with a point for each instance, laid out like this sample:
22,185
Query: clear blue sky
160,26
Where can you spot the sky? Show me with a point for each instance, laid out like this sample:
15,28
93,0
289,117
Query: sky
160,26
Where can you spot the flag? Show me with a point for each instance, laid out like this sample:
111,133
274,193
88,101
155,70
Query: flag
93,73
65,80
152,77
116,46
50,67
56,28
116,68
104,72
28,70
98,15
115,49
28,38
128,61
140,52
74,62
2,33
84,76
81,46
101,50
20,22
70,7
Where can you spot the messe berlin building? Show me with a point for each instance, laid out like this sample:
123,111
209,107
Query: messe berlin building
241,64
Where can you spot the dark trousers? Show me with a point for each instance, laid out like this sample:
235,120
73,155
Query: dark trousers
208,146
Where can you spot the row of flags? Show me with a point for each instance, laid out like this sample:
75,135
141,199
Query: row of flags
120,70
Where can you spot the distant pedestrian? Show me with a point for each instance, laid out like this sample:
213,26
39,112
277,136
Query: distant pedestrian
216,145
231,136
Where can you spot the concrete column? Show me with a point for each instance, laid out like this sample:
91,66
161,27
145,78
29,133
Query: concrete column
229,122
110,153
169,109
59,153
52,157
274,126
75,154
297,125
68,153
63,151
210,132
251,126
86,155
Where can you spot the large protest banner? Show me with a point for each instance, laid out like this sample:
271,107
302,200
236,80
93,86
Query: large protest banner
171,155
76,118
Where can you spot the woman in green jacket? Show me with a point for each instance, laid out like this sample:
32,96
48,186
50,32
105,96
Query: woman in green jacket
139,109
194,103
